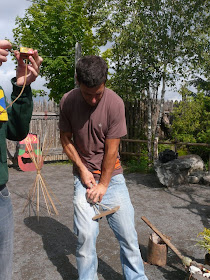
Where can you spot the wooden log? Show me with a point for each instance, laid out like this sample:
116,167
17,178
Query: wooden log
156,251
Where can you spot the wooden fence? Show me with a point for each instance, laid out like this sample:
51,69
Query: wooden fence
45,121
139,143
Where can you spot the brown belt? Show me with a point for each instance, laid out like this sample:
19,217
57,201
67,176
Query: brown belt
117,166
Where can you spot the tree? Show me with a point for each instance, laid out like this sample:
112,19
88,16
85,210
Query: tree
191,121
53,27
154,43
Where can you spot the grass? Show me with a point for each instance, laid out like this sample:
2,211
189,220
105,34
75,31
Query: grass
134,165
137,165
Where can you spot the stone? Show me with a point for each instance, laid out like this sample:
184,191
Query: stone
193,179
206,179
178,171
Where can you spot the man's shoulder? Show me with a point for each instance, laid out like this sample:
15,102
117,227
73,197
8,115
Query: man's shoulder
113,94
68,96
113,97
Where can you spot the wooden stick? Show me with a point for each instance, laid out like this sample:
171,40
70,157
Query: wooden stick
105,213
37,206
32,190
45,198
186,261
166,240
49,197
50,190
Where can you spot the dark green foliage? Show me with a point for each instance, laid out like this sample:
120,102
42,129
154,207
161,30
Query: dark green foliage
191,122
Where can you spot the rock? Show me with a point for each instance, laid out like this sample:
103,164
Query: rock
206,179
178,171
193,179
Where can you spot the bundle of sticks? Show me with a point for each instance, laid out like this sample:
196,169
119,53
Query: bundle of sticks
40,186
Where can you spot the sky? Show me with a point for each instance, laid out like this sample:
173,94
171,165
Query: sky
9,10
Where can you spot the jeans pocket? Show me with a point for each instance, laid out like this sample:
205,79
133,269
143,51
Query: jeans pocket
5,193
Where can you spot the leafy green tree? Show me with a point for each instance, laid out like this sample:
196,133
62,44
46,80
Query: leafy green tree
154,43
53,27
38,92
191,121
153,39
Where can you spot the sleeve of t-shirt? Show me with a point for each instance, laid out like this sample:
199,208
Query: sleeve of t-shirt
64,122
117,122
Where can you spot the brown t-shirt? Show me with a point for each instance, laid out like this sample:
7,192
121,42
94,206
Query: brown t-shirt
91,126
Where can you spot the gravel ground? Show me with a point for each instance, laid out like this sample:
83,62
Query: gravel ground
46,249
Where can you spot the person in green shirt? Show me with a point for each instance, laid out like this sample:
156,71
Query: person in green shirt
14,125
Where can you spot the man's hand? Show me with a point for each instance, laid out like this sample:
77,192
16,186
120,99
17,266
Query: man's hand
87,178
32,68
4,47
96,193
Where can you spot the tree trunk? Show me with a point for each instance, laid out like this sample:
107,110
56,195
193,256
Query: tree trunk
149,126
157,130
78,53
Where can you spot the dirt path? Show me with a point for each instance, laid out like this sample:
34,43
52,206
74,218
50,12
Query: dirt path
45,250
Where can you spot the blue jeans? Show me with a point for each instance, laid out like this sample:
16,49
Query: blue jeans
6,235
121,222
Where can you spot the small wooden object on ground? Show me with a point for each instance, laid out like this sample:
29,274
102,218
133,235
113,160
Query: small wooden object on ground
40,185
186,261
157,250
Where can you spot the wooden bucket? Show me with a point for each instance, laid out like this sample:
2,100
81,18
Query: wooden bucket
157,250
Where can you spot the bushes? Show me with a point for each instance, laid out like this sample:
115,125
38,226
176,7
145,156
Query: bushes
191,122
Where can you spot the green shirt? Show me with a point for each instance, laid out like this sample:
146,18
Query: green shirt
17,127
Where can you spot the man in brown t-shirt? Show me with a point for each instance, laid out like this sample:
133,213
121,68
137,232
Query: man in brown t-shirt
92,121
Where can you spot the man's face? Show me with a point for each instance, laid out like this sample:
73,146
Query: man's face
92,95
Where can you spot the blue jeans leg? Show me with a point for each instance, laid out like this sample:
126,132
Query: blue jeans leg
6,235
87,231
121,222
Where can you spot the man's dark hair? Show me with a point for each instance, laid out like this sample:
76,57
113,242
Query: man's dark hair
91,70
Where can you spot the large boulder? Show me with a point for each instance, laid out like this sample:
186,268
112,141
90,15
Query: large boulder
179,171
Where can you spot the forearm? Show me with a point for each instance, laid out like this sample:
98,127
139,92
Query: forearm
19,113
71,152
109,161
108,166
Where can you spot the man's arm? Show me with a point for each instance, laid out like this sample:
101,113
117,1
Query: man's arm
97,192
68,146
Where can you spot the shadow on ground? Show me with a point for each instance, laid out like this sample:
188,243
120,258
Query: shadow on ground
59,242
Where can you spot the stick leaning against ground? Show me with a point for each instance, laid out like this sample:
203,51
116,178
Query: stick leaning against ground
186,261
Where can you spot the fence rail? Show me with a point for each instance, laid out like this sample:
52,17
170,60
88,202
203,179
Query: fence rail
174,143
45,121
